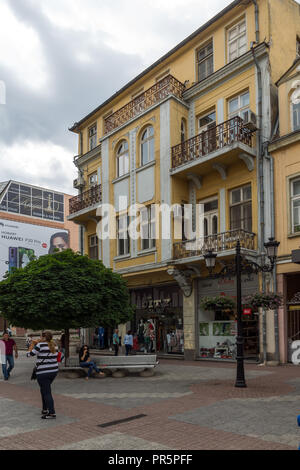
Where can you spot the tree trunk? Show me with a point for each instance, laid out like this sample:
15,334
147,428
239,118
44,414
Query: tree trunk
67,345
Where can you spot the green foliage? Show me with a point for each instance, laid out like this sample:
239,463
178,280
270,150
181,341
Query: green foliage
217,303
266,301
64,290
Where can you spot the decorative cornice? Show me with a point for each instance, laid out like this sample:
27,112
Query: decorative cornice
80,160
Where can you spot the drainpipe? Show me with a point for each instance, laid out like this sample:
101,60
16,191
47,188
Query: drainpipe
271,160
256,21
260,176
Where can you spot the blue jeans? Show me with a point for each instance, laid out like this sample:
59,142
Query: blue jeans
91,365
128,348
7,370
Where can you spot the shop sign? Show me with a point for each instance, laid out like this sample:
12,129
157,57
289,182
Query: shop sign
247,311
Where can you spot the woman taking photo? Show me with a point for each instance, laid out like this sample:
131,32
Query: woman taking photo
85,361
46,370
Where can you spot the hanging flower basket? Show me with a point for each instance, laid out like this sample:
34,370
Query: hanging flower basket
217,304
265,301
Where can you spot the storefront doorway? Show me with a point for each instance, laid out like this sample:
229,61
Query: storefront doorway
158,322
218,330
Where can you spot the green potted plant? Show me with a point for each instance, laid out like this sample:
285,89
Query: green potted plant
269,301
219,304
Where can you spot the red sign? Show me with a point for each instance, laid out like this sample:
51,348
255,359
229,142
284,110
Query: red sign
247,311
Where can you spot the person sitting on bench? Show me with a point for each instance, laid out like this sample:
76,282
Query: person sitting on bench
85,361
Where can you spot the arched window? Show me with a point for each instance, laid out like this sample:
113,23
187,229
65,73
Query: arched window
147,146
295,103
122,159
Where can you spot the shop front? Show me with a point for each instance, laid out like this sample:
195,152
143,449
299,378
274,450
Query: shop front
158,320
217,329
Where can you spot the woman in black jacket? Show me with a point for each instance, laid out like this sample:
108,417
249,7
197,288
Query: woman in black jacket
85,361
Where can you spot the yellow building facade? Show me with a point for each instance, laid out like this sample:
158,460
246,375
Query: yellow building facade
285,151
189,133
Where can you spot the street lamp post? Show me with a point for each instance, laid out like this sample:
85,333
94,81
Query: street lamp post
241,265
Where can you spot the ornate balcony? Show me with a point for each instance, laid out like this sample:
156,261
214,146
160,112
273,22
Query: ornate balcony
218,138
218,243
85,200
161,90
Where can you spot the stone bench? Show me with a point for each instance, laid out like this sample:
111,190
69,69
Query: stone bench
117,366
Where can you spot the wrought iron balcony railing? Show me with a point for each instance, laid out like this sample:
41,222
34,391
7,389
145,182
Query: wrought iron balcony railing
161,90
218,137
217,243
85,200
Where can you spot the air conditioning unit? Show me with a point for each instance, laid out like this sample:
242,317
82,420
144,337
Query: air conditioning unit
250,120
79,182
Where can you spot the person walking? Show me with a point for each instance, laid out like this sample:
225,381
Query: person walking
85,361
128,341
116,341
9,347
47,369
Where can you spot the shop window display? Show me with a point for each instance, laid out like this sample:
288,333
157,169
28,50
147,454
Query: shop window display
158,320
217,339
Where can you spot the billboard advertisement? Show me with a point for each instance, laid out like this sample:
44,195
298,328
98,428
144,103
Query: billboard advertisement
23,199
20,243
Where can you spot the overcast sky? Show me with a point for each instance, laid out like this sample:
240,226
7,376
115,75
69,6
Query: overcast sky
60,59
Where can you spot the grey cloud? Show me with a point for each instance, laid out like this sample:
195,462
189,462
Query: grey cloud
76,88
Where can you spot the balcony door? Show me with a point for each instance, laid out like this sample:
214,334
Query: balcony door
209,223
207,131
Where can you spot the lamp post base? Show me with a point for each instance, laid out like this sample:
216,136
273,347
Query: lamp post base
240,384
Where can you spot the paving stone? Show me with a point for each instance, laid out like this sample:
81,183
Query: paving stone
114,441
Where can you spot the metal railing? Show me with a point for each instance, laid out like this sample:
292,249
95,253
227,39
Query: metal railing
216,138
85,200
161,90
217,243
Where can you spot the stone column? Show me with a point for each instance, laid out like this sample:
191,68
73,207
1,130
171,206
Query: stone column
189,322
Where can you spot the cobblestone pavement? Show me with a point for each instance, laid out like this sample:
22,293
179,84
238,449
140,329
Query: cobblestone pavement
186,406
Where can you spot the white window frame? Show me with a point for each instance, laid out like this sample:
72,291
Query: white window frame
123,234
242,203
93,179
205,59
146,143
148,227
93,244
122,159
239,49
241,110
294,198
92,133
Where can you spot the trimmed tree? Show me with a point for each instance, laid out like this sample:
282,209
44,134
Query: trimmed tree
64,290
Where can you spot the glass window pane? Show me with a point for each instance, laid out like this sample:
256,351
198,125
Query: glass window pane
151,131
215,225
236,196
233,105
247,193
242,27
296,116
151,150
235,217
144,149
245,99
247,216
233,33
296,188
